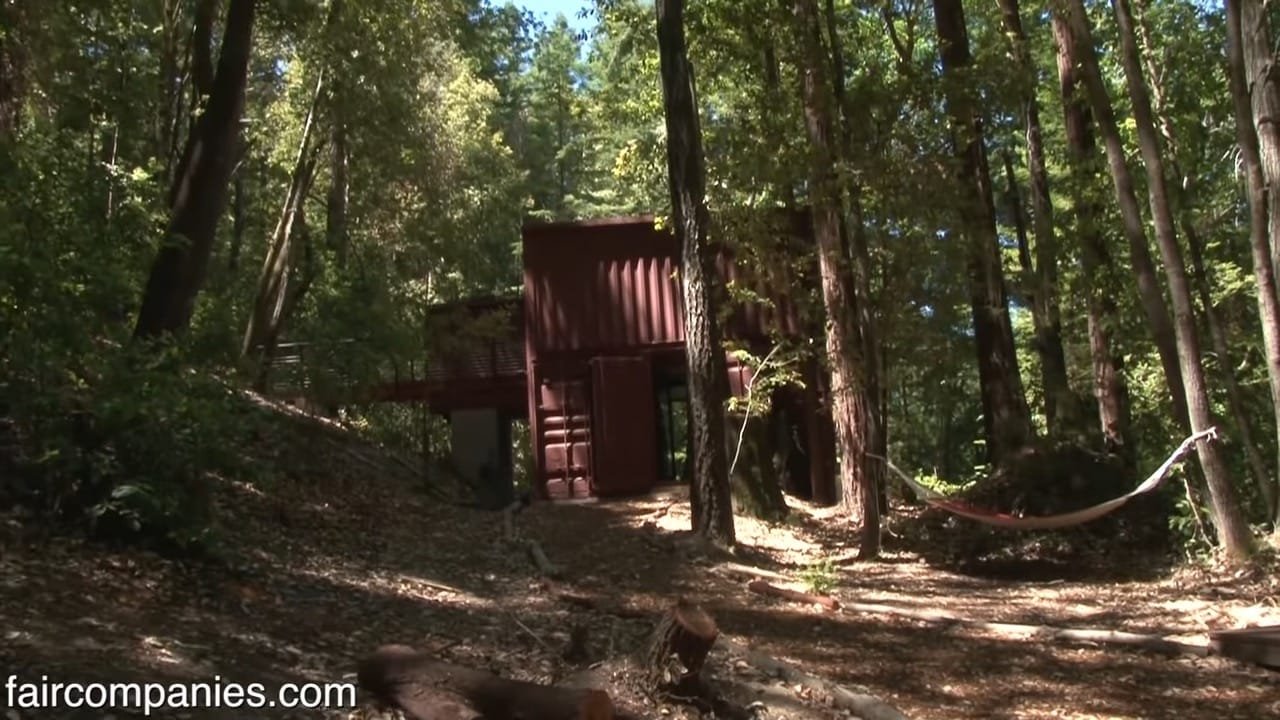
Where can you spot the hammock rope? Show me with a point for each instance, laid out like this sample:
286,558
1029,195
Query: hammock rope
1046,522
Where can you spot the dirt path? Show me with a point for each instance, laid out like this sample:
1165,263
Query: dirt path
318,575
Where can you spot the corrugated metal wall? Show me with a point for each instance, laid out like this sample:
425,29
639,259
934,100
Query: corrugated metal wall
612,285
601,287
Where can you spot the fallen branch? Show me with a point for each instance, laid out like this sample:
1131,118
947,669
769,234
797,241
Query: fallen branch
761,587
749,571
540,559
661,512
867,707
1154,643
534,635
442,587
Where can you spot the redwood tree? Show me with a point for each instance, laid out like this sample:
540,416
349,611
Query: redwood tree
1110,388
199,193
1262,88
1059,402
852,397
1005,413
709,494
1082,51
1260,245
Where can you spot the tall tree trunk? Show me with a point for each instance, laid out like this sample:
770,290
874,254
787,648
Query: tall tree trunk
339,193
1264,92
1149,291
1181,188
273,284
239,216
853,234
1059,401
1263,89
1110,388
302,274
170,32
201,72
851,403
1229,520
200,188
1006,417
1013,199
13,81
773,94
1222,348
1263,270
710,495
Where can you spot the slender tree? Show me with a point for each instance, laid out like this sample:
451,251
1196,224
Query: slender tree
854,236
1229,519
1144,269
1110,389
1263,270
851,397
1005,413
1182,187
12,68
275,296
710,495
1059,401
338,198
199,193
1264,92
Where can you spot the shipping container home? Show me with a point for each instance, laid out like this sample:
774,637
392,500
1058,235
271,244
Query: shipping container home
592,358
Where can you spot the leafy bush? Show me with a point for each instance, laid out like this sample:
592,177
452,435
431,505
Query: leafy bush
123,448
820,578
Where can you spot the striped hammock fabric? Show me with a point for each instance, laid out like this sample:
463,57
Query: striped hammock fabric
1046,522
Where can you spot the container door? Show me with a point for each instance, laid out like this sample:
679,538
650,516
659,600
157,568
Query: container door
624,426
564,434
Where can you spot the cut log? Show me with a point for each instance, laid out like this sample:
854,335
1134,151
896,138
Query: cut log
425,688
687,632
867,707
763,588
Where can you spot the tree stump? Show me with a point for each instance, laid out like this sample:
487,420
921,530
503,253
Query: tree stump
687,632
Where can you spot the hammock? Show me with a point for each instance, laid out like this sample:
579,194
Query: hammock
1045,522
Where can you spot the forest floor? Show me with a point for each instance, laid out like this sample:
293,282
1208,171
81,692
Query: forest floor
322,569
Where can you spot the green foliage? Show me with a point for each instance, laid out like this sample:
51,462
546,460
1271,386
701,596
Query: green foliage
820,577
947,487
123,446
1187,525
